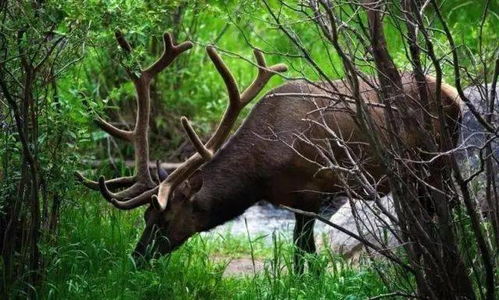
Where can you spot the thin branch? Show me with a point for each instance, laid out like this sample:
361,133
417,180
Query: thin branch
365,242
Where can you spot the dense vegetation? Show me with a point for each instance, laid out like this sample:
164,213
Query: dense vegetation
76,70
92,261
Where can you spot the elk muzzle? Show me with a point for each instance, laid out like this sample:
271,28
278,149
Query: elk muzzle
152,244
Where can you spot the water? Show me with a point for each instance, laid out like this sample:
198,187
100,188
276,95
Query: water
263,219
260,219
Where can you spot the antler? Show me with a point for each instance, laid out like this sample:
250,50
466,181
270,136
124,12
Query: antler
141,186
237,101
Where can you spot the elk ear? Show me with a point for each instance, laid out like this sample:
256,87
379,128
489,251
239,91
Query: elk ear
195,182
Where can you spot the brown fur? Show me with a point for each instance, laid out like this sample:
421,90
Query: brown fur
261,160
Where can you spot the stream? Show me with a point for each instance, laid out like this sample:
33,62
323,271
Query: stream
263,219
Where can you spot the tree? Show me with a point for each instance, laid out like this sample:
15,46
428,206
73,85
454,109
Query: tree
431,196
34,147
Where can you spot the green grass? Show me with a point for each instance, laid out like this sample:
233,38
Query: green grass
92,261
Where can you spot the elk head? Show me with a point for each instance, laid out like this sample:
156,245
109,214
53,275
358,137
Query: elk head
175,212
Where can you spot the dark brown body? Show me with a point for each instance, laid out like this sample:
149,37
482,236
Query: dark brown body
264,160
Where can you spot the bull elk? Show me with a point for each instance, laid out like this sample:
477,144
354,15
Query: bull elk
270,157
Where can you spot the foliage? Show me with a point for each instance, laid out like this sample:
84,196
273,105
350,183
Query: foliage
92,261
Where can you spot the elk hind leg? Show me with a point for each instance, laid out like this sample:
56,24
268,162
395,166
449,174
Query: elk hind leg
303,237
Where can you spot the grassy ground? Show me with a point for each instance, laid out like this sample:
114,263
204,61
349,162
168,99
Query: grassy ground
93,262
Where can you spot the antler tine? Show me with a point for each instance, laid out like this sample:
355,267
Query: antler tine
135,191
264,75
104,190
125,46
163,193
195,140
236,103
137,201
227,76
170,52
174,179
112,130
122,41
139,188
115,183
233,110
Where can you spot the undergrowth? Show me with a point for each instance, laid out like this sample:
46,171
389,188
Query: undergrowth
90,260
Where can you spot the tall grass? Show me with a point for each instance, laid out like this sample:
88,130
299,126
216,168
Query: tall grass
92,261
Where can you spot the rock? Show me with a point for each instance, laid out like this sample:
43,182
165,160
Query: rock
473,137
373,226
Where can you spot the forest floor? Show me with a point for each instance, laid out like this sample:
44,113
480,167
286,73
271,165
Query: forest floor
242,266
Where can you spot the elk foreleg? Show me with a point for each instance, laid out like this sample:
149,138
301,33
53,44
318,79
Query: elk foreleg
303,237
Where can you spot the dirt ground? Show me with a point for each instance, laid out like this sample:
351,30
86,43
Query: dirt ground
243,266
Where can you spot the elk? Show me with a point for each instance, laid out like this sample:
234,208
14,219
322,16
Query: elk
270,157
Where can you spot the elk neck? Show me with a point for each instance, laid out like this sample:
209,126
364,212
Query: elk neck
232,182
